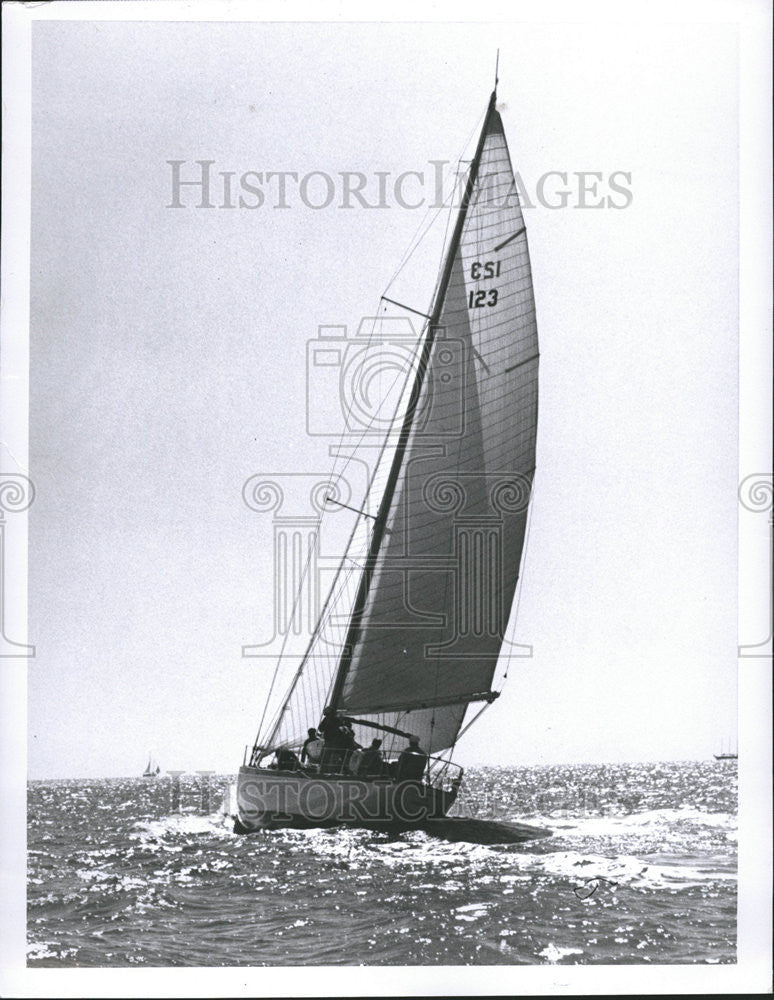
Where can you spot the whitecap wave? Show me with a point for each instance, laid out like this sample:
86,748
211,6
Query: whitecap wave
552,953
180,825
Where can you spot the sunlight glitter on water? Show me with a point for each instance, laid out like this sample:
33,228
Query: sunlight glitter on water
136,883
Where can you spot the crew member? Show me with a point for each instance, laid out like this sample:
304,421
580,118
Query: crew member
309,750
339,739
330,726
287,760
412,761
371,763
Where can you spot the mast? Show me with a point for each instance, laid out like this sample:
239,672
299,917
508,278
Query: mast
380,523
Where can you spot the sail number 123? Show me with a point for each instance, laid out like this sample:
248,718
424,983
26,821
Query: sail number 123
483,297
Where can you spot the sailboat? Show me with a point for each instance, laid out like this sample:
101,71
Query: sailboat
403,657
726,753
151,768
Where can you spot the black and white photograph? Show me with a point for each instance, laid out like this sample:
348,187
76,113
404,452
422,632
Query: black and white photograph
386,499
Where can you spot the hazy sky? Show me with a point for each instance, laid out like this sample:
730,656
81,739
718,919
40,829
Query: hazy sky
168,365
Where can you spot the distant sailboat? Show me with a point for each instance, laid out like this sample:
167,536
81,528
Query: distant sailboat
726,754
406,644
152,767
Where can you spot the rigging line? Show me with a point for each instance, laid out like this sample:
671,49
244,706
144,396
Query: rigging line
277,719
398,458
299,675
321,690
329,632
446,229
419,236
291,620
448,217
367,425
322,670
391,431
471,220
307,690
276,722
517,596
478,222
337,588
416,241
346,506
343,435
406,258
337,456
478,714
419,341
400,305
473,131
445,205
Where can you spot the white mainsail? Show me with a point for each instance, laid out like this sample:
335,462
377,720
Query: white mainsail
428,602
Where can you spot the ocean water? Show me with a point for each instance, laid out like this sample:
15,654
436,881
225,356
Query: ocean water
146,872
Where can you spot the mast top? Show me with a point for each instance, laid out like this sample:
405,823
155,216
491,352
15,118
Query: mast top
497,67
